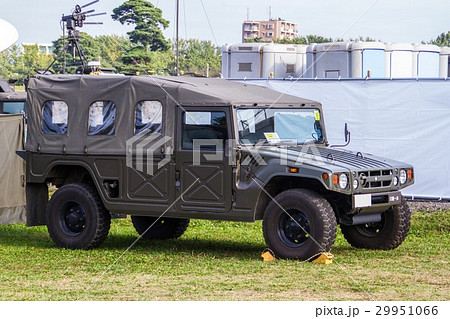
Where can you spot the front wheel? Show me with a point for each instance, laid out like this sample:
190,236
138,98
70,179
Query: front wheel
387,234
299,224
76,217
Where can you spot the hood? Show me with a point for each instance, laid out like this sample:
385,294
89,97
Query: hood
333,159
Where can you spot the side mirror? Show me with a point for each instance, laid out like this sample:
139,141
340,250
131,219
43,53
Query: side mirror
346,134
347,137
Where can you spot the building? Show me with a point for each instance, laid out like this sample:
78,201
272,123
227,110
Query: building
340,60
46,48
273,29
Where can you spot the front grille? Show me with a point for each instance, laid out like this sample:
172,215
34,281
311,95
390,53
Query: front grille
375,178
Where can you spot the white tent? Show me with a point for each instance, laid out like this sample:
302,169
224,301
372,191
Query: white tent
406,120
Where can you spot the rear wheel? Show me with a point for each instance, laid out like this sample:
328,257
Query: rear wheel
162,228
299,224
387,234
76,217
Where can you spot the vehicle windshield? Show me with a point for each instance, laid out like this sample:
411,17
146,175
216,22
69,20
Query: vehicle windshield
279,126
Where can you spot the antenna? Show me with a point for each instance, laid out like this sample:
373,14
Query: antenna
177,56
270,12
90,3
248,14
71,22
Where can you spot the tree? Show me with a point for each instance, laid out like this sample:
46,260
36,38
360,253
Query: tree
310,38
148,21
8,61
366,39
112,49
32,59
197,56
139,60
19,63
298,40
255,40
442,40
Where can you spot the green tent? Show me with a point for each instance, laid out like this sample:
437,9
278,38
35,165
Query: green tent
12,170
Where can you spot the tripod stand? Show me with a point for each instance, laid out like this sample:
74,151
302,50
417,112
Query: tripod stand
73,40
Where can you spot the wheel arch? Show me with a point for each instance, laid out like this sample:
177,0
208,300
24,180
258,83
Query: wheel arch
58,174
279,184
61,174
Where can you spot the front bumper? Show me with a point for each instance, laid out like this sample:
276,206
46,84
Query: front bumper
375,202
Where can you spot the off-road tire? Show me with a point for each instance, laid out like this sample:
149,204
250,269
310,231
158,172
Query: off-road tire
76,217
309,209
37,200
163,228
388,234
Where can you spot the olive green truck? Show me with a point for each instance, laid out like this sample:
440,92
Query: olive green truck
167,149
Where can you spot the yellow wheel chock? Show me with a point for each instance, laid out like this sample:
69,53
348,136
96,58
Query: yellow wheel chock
324,258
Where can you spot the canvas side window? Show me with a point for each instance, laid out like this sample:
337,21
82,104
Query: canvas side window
102,115
54,118
148,117
203,125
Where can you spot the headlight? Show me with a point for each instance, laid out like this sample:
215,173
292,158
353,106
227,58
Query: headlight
395,181
402,176
355,184
343,180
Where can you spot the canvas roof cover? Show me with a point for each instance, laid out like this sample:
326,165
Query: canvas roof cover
79,92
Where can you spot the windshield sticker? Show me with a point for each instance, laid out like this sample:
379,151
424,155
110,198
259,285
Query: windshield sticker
272,138
59,112
317,115
96,114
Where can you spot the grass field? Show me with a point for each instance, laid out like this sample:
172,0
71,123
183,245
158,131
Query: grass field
221,261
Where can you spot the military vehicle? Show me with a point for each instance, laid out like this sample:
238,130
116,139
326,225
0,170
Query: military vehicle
11,102
168,149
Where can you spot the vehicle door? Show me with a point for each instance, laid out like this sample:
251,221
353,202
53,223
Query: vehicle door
148,170
203,176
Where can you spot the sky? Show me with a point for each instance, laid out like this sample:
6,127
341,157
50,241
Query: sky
387,20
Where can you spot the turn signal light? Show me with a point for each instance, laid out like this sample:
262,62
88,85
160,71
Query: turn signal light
335,179
293,169
325,176
409,173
